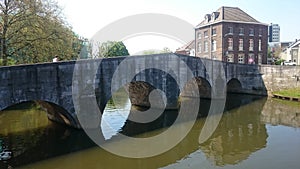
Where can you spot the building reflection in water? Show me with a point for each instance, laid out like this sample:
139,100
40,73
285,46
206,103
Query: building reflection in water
239,134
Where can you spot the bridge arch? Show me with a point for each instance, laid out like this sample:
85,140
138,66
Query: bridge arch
204,91
54,112
234,86
203,85
58,113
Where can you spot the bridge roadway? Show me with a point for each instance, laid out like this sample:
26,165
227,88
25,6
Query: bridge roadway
56,86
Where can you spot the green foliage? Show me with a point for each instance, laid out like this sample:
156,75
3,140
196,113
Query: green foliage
113,49
10,62
278,62
153,51
35,31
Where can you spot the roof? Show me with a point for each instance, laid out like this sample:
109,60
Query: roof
228,14
188,46
296,43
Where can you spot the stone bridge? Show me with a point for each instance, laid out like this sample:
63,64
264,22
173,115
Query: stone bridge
55,86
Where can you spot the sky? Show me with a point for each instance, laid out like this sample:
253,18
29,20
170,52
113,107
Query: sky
89,16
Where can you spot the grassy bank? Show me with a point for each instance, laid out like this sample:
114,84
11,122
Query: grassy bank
289,92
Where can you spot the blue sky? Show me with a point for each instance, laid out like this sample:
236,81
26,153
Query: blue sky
89,16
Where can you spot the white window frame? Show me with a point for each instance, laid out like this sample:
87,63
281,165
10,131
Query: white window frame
251,44
199,47
199,35
260,32
214,32
241,59
230,30
205,46
230,58
230,44
251,32
241,44
259,58
205,34
214,45
241,31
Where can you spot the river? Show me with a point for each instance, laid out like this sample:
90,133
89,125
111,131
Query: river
254,132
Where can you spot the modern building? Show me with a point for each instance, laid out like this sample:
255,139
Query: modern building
274,33
230,34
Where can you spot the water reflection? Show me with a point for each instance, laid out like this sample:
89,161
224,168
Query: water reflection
27,132
239,134
242,140
281,112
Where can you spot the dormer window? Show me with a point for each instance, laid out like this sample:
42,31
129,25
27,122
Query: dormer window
214,16
207,18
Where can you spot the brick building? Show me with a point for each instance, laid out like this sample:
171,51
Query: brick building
231,35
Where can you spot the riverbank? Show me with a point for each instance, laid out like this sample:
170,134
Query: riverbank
289,94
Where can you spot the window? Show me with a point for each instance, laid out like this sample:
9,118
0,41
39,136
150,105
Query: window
230,58
230,44
241,31
251,45
205,34
241,59
259,45
251,59
199,35
295,52
259,58
241,44
260,32
214,32
199,47
205,46
214,45
251,32
192,52
230,30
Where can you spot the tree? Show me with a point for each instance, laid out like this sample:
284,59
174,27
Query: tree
35,31
153,51
113,49
166,50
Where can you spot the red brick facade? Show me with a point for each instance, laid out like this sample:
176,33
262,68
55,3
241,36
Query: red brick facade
249,39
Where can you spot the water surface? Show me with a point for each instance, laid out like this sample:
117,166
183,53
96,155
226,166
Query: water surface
253,133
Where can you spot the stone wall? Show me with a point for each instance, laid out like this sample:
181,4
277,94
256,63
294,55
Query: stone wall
277,77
